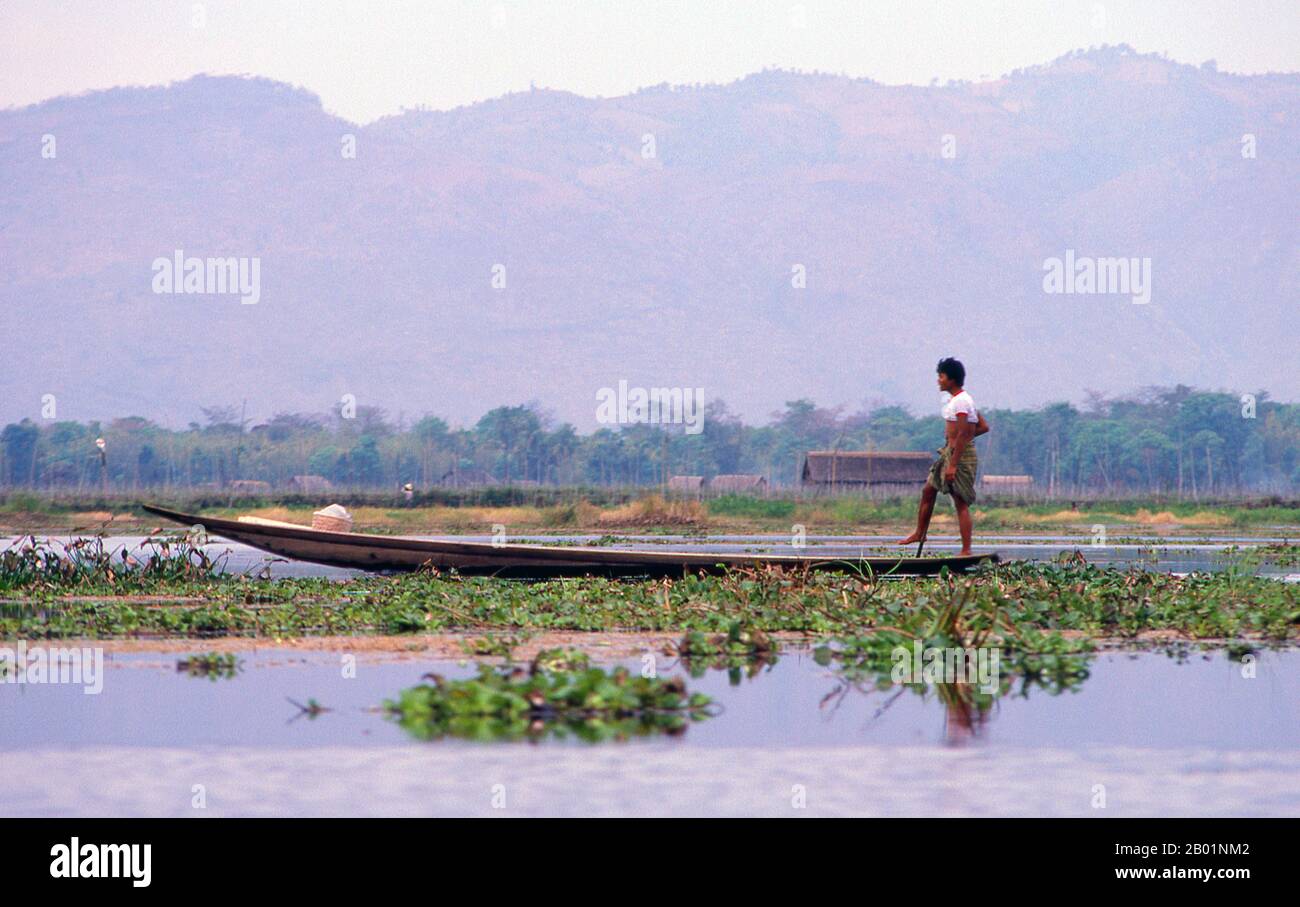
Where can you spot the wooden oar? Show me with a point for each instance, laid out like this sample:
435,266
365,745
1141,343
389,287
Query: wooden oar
919,546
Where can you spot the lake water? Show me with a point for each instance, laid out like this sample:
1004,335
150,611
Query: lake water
1144,734
1147,733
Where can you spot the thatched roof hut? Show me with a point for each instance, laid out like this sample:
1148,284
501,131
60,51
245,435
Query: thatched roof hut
686,484
1013,486
738,484
310,484
1010,482
468,477
862,467
250,486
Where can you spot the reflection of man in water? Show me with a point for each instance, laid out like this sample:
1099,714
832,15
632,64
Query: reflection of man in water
963,719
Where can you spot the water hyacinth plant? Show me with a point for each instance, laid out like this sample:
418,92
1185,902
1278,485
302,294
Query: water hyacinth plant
947,652
212,665
45,595
497,646
547,700
87,564
740,648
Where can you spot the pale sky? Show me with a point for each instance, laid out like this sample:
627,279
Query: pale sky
369,59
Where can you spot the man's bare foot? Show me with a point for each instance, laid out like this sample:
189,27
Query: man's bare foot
965,552
912,539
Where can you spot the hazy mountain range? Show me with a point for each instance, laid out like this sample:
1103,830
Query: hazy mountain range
653,238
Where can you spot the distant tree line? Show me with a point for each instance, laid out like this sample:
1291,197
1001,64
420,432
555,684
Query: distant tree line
1160,440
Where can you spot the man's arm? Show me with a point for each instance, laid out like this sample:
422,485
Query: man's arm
962,438
981,427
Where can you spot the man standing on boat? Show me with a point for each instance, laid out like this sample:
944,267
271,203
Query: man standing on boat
954,472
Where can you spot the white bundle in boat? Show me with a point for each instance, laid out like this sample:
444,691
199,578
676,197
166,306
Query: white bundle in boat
335,518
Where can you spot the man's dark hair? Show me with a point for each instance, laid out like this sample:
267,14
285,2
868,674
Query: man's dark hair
953,369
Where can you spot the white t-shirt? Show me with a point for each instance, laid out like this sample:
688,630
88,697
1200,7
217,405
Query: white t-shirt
960,405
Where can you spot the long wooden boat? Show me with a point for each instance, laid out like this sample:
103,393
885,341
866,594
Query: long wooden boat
395,553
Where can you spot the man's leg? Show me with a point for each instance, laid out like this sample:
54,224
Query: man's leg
964,522
923,514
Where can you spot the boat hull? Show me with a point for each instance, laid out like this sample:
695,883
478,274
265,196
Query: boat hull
396,553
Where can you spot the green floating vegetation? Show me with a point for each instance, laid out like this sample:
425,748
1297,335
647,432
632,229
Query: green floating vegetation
492,646
739,640
1283,554
175,591
562,660
88,565
878,658
742,651
1250,558
587,703
964,652
312,710
212,665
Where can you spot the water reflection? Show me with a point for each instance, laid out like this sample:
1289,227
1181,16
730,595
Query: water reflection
876,667
1183,697
549,700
